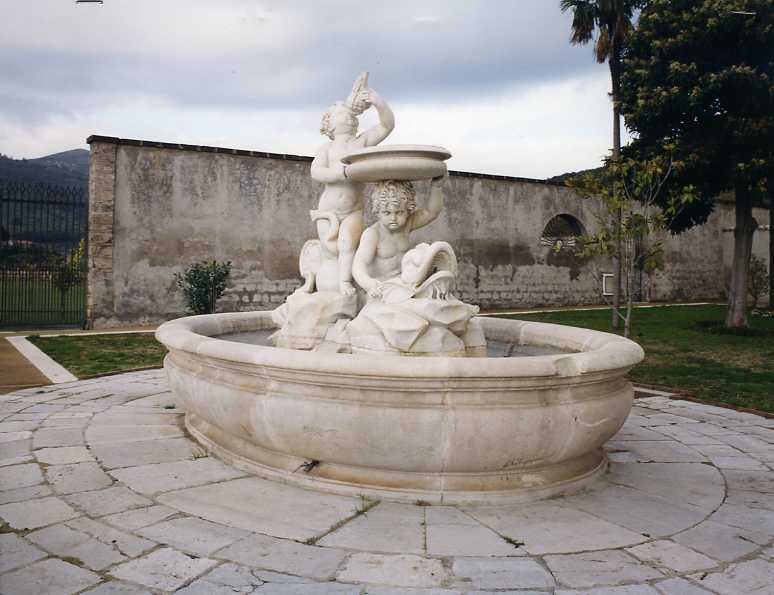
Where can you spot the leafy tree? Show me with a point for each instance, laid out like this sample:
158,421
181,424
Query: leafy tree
69,271
611,21
630,218
202,284
699,74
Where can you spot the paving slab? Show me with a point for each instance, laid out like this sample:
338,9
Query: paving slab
47,437
624,590
20,476
387,527
680,586
48,577
165,477
381,590
227,578
265,507
549,528
755,577
64,541
128,544
688,484
302,589
284,555
721,542
592,569
63,455
22,494
123,434
503,573
402,570
651,516
139,517
12,436
15,552
32,514
672,556
687,508
108,501
193,535
145,452
117,588
164,569
451,532
77,477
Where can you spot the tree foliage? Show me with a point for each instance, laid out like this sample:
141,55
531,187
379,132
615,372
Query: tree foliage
699,75
630,219
202,283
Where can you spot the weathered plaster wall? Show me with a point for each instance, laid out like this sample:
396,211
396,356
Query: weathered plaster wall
158,207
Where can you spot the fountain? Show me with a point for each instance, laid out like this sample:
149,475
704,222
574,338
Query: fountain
373,379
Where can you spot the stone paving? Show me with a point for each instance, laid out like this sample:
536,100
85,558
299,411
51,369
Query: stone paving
101,492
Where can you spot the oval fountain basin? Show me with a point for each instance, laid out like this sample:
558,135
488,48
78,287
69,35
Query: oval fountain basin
396,162
440,430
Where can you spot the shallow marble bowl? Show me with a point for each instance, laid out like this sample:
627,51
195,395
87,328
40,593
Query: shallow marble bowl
396,162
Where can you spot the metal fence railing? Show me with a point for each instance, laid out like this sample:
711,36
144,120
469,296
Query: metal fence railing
43,231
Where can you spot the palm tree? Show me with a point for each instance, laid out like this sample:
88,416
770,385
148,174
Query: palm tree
611,20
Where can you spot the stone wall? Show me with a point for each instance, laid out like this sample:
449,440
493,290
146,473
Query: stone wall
156,207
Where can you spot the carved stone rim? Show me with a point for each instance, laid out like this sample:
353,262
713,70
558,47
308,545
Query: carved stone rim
595,352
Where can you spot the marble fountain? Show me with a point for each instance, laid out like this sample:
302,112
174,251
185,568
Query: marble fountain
373,379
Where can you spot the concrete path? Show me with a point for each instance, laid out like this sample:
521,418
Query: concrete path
16,371
102,492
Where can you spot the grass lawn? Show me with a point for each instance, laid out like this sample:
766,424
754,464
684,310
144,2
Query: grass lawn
684,350
90,355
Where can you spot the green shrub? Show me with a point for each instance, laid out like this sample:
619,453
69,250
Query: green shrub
758,282
202,284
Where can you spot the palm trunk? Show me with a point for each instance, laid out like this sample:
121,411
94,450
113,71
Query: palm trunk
736,315
615,76
629,299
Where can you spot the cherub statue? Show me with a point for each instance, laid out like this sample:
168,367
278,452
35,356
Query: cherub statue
339,216
384,244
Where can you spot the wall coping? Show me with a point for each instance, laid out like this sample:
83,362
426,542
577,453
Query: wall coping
96,138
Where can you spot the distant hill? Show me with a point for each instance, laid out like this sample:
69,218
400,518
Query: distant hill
69,168
562,178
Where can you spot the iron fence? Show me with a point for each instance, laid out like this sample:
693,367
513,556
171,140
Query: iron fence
42,255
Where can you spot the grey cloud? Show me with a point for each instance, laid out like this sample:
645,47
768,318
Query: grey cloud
419,51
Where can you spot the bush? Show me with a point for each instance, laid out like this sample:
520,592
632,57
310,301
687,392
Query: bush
202,284
758,283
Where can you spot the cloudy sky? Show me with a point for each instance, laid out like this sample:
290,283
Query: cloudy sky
494,81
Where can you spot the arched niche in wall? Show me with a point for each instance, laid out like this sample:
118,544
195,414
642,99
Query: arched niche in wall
561,236
562,232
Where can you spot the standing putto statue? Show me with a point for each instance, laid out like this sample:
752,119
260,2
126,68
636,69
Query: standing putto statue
370,291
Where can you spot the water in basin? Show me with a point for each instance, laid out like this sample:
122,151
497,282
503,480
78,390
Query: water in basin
493,348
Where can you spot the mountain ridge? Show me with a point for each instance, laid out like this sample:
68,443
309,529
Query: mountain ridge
66,168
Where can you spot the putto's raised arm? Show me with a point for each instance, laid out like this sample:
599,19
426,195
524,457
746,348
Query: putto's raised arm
373,136
434,204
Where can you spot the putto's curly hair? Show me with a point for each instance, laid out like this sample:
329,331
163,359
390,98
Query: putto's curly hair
394,191
325,125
